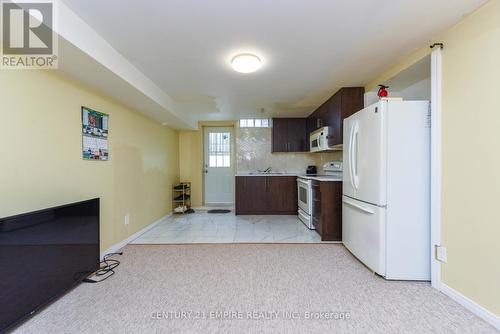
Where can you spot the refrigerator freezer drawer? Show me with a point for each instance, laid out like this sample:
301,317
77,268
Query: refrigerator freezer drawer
363,232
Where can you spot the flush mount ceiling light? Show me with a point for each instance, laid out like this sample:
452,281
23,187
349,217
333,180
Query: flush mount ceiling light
246,63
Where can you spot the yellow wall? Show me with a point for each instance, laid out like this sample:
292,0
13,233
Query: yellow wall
471,123
41,159
191,158
191,163
470,181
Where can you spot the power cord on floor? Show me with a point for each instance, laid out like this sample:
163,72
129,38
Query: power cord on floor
106,268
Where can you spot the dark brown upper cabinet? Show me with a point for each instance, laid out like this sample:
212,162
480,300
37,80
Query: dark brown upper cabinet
341,105
290,135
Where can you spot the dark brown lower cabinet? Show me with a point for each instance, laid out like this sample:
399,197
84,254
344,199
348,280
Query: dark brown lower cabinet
327,210
266,195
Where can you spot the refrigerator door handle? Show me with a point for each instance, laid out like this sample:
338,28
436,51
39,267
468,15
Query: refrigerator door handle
353,156
358,206
355,144
351,174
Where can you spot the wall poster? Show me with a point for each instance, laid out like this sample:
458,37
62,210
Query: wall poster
95,135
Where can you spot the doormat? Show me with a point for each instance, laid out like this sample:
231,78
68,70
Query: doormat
219,211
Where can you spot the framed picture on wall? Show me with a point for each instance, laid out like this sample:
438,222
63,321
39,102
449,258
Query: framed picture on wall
94,135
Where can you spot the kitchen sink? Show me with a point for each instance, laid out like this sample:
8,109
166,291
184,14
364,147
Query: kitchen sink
265,173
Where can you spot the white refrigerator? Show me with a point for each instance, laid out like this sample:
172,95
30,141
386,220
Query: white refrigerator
386,188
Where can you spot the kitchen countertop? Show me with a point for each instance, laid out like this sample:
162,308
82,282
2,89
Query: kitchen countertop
265,174
322,178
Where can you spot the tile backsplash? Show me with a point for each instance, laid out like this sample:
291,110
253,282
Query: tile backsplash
322,158
253,152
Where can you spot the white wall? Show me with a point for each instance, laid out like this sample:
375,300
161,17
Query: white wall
420,90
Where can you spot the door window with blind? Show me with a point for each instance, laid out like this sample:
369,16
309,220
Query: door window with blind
219,149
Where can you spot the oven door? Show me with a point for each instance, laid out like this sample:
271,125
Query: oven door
304,195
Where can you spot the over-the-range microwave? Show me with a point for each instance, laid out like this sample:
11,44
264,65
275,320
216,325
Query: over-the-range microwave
322,139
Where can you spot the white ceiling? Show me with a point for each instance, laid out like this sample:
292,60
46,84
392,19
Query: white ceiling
309,48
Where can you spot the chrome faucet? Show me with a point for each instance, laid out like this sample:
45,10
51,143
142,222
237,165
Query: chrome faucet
265,171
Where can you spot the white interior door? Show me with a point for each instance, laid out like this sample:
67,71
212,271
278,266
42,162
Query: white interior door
219,165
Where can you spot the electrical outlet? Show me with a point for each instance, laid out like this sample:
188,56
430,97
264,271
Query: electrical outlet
441,253
126,221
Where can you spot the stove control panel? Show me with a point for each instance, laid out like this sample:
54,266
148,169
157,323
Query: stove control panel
333,166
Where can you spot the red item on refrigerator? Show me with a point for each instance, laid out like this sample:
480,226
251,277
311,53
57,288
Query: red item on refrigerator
382,92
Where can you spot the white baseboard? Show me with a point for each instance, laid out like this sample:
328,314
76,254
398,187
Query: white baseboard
472,306
116,247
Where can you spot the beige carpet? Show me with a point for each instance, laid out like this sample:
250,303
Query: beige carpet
263,288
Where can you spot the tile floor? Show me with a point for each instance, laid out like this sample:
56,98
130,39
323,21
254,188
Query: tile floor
203,227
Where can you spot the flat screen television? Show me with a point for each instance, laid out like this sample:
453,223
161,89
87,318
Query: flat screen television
43,254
